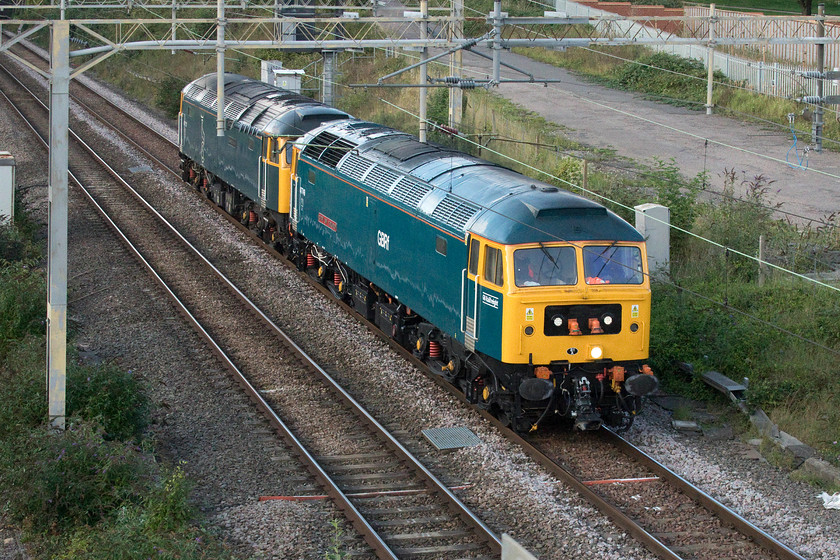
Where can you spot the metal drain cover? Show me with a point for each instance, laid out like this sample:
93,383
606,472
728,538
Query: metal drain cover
451,438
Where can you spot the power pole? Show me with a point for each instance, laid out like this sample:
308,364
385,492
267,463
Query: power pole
57,236
711,64
817,125
456,95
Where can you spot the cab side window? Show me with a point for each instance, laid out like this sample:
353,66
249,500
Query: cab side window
474,246
494,266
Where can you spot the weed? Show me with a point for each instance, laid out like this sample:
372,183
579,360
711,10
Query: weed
168,507
54,481
335,551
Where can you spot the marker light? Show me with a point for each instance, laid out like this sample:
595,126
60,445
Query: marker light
558,321
595,352
607,320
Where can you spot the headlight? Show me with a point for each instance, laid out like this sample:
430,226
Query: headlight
596,352
557,320
607,320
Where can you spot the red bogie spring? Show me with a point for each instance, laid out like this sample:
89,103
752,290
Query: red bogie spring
434,349
337,278
310,260
252,217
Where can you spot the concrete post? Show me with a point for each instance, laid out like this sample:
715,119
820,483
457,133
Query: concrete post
220,68
328,78
497,45
57,260
424,69
817,125
653,221
456,95
711,68
7,187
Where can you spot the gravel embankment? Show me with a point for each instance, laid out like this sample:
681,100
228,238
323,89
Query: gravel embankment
121,317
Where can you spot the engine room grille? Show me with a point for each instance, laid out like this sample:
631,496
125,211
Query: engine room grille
328,148
410,191
234,110
454,211
355,166
381,178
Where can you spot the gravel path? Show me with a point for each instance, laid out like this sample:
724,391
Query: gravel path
120,318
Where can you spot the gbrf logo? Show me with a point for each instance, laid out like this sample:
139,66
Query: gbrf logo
384,240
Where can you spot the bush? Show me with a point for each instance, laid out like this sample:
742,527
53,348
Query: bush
23,306
168,507
683,82
14,246
126,537
168,96
109,395
54,481
100,393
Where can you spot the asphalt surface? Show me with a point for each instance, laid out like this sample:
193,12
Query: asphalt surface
642,130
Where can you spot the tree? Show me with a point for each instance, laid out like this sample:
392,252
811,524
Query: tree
806,6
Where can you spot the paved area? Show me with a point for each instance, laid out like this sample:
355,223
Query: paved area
641,129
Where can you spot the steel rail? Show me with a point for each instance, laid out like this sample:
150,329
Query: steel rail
726,514
370,535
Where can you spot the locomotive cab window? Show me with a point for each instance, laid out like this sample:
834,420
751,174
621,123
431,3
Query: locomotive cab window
440,245
474,247
311,176
609,264
545,266
494,266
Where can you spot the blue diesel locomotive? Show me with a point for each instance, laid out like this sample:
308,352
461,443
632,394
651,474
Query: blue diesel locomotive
533,301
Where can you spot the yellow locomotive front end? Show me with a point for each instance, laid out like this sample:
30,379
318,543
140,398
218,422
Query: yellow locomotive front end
577,317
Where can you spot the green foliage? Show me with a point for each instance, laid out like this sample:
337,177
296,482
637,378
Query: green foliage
127,536
22,387
55,481
168,507
15,246
336,550
678,195
437,109
168,95
109,395
681,80
101,393
23,305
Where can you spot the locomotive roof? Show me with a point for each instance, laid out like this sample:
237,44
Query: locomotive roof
260,108
459,191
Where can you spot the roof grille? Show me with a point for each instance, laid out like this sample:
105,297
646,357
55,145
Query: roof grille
355,166
234,109
381,178
454,211
328,148
193,91
410,191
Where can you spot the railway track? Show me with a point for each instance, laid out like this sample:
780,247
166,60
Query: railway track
667,514
395,503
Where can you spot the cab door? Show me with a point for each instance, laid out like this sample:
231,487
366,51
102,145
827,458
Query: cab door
470,289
